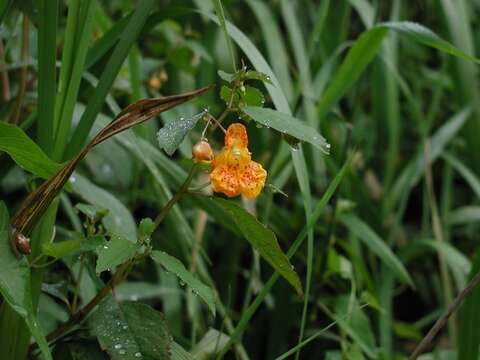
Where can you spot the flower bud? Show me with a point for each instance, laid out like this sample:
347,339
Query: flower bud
23,244
202,151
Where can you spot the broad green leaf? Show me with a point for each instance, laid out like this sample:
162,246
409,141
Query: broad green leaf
175,266
172,134
119,220
376,245
115,252
228,77
407,331
131,331
179,353
226,95
263,240
25,152
469,318
253,97
15,283
287,124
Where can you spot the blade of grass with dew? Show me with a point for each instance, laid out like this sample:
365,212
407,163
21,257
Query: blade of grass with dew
318,211
129,35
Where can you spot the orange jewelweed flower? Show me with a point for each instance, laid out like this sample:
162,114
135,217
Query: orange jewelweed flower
234,172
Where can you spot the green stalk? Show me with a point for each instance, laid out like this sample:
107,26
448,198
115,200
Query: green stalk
47,35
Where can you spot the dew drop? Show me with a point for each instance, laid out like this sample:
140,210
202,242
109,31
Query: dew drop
124,327
73,179
138,354
327,146
117,346
122,352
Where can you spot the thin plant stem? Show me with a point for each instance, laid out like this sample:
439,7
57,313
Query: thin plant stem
439,236
4,75
182,191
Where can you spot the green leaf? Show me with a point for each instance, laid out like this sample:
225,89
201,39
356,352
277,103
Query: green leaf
61,249
15,283
407,331
146,228
131,331
263,240
287,124
92,211
464,215
376,245
228,77
253,97
427,37
175,266
119,54
359,56
172,134
25,152
256,75
115,252
119,220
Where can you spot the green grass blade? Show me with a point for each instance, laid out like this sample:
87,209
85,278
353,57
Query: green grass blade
69,89
221,19
317,212
47,47
117,58
377,246
469,318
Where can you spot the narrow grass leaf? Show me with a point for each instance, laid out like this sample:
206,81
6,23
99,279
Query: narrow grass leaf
377,246
221,19
469,318
465,215
117,58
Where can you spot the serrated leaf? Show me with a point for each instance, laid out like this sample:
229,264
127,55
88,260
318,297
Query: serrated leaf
15,283
131,331
263,240
257,75
175,266
115,252
253,97
172,134
287,124
226,95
